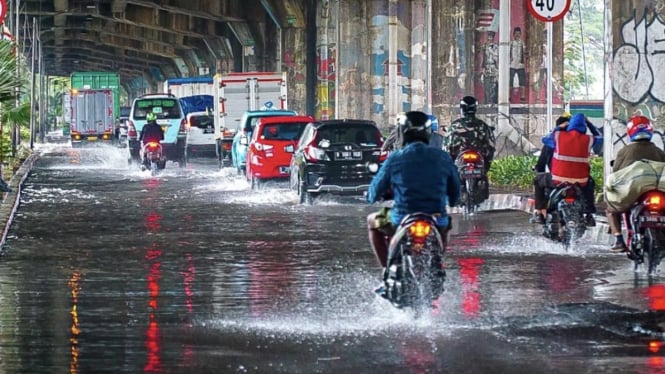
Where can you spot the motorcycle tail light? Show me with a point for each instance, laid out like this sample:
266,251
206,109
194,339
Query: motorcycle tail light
655,201
470,157
152,145
570,196
419,230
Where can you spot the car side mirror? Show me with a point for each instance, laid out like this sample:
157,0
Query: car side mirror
612,163
289,148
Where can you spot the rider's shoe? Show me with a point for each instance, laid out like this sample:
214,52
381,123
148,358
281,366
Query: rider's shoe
619,246
589,220
381,291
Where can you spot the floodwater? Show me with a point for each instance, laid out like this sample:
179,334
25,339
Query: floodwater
107,269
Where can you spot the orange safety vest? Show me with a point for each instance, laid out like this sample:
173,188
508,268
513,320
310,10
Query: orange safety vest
570,162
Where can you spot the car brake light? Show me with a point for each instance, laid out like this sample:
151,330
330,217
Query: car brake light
183,125
131,130
314,154
262,147
383,155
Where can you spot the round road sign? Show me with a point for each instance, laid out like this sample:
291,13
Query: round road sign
548,10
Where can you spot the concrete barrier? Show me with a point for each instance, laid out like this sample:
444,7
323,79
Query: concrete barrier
11,199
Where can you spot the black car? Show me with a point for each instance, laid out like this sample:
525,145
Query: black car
336,156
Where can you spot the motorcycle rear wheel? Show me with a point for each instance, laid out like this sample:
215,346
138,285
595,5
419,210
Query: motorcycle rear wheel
654,246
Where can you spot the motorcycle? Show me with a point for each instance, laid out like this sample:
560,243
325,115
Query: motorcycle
565,214
414,275
153,157
645,225
471,168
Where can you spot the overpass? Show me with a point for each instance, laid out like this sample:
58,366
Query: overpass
344,58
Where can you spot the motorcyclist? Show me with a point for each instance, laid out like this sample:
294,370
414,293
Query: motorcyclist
151,132
640,131
420,179
470,131
571,147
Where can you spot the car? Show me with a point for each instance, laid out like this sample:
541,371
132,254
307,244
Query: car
337,157
169,115
200,140
244,133
271,147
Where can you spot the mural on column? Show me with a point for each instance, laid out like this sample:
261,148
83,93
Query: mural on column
294,64
380,55
639,57
528,52
326,57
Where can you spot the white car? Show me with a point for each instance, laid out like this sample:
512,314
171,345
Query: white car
200,135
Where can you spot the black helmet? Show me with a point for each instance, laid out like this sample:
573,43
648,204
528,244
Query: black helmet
414,126
468,105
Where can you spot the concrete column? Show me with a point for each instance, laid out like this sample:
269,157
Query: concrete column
504,66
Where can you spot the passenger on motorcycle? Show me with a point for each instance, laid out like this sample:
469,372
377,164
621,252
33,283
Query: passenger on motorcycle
151,132
640,131
570,145
470,131
419,177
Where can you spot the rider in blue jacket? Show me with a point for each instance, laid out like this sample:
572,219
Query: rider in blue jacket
419,177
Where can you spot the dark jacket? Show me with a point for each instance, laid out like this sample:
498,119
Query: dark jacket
152,132
422,178
635,151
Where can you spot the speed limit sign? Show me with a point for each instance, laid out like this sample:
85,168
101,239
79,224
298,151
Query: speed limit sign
548,10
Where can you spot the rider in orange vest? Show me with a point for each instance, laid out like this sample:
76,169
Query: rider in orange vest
572,153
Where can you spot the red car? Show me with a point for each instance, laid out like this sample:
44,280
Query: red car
271,146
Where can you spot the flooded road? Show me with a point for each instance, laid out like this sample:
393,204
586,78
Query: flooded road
107,269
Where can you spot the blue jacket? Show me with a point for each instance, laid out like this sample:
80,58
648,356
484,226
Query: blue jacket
580,124
422,178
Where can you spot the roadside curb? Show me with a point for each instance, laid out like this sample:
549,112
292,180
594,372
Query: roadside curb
11,200
527,204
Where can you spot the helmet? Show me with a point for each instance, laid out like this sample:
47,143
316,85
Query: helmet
151,117
639,127
414,125
468,105
563,118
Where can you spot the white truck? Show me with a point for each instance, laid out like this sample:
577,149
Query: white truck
91,117
234,94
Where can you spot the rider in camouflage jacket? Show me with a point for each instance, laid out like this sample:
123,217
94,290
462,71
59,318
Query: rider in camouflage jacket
470,132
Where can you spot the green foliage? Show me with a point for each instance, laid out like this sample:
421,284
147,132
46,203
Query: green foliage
517,172
8,78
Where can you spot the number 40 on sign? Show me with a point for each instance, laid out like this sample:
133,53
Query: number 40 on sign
548,10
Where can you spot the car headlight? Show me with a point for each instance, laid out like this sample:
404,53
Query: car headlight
373,167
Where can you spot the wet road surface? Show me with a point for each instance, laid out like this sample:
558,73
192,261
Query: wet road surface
107,269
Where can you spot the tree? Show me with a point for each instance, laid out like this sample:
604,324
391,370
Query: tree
583,42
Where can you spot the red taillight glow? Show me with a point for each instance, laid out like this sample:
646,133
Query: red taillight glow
152,145
183,125
570,196
383,156
420,229
470,157
313,154
655,346
655,201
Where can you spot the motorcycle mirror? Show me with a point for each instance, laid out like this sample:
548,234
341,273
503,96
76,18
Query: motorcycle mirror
612,163
289,148
243,140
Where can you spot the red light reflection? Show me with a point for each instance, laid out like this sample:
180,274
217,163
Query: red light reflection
75,288
469,271
152,337
656,295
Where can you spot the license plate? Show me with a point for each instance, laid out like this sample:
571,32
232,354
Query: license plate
284,170
348,155
652,219
92,138
208,130
471,173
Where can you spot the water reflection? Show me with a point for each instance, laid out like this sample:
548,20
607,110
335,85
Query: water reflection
75,288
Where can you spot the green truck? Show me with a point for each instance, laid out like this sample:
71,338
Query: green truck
94,107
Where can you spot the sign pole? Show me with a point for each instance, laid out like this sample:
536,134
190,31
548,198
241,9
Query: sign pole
549,76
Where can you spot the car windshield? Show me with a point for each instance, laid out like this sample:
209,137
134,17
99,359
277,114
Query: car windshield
283,131
201,122
163,108
362,135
